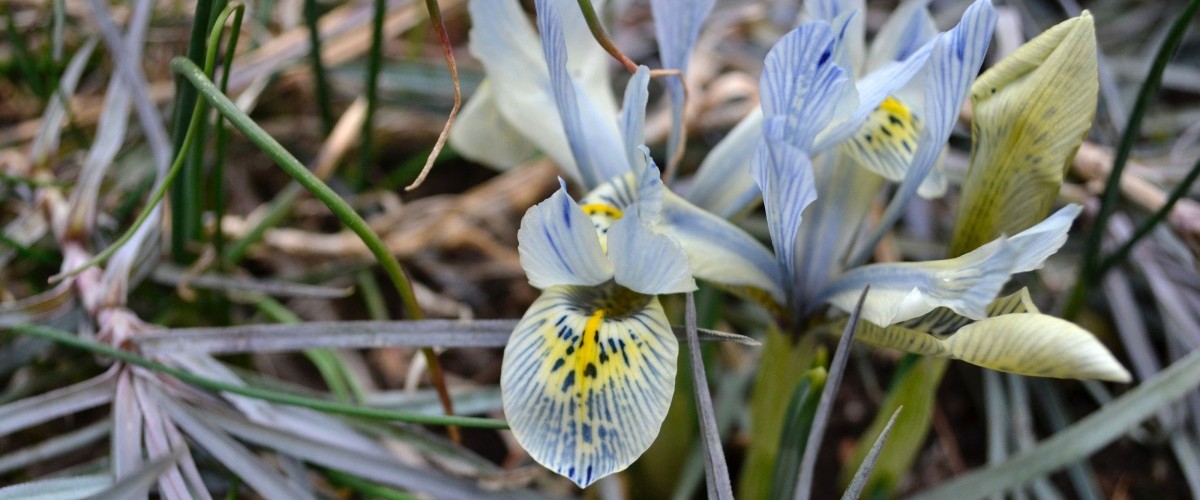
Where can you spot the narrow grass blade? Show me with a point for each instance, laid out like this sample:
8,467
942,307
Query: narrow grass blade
1133,128
57,110
163,439
864,471
1183,188
110,128
1188,454
1083,478
377,465
1022,423
374,64
716,470
312,14
297,420
137,484
798,420
126,444
135,79
837,368
996,408
1081,439
729,406
354,335
40,308
234,456
337,378
51,405
217,176
331,152
63,488
322,405
185,100
913,386
55,446
139,232
293,167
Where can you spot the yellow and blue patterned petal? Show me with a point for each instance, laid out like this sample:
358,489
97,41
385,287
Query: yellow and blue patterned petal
558,244
587,379
887,140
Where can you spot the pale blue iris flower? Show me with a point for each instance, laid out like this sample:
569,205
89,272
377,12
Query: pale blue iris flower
948,307
802,88
589,372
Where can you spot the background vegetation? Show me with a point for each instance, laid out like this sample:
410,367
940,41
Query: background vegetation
213,349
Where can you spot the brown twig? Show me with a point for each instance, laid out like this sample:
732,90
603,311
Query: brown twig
435,18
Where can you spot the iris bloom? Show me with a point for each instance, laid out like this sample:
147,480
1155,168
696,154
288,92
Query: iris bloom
589,372
947,307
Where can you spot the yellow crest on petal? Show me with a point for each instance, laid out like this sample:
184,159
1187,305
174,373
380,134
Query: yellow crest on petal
886,142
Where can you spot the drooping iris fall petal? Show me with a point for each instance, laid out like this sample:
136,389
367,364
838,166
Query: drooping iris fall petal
587,379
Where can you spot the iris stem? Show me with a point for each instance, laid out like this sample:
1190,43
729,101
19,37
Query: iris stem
597,29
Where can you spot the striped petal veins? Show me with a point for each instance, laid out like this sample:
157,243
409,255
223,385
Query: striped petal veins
587,379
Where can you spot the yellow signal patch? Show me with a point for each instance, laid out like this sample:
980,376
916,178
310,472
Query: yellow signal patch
886,142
